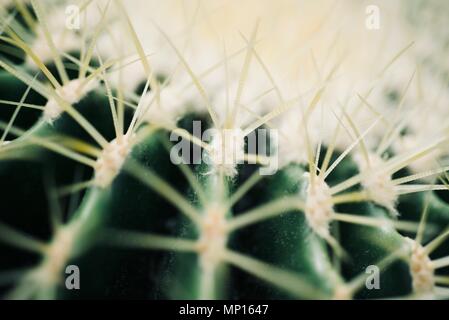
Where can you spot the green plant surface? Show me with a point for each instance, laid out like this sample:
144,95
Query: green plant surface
91,175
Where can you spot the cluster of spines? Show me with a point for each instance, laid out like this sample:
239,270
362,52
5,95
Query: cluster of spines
213,219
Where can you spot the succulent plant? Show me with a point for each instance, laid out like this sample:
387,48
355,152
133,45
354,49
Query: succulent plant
154,163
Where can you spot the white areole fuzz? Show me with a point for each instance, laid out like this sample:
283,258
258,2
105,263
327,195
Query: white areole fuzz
170,107
56,257
319,207
421,269
111,160
72,93
214,237
227,149
63,41
377,182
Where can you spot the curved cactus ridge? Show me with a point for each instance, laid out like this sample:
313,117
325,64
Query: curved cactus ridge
92,177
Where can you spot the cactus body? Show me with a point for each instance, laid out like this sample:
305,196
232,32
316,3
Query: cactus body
91,177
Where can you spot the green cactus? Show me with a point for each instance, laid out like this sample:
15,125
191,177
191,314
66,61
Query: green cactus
92,178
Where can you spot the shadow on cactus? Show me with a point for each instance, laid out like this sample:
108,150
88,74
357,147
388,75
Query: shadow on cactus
141,159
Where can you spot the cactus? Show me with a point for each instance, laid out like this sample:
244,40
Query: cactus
96,176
